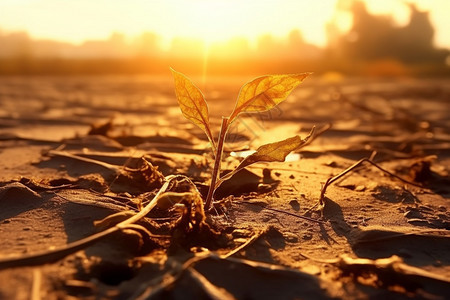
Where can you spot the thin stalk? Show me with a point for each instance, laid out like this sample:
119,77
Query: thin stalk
217,162
352,168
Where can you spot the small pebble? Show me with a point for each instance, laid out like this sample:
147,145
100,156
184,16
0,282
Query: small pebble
418,222
266,173
437,263
360,188
291,176
307,236
332,164
295,205
413,214
264,187
290,237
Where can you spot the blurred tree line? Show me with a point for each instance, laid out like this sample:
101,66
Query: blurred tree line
375,40
374,45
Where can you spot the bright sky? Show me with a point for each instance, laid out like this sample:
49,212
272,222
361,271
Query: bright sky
212,20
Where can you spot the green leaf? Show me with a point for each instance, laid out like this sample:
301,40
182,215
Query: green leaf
264,93
192,103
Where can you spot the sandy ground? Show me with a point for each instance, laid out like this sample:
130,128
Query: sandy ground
71,153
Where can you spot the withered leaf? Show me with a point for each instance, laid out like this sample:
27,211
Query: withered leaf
192,103
265,92
269,153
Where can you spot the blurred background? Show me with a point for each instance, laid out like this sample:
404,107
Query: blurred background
212,37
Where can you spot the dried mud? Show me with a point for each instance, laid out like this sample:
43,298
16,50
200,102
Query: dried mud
71,153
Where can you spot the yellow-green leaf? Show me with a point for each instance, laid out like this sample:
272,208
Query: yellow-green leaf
263,93
269,153
273,152
192,103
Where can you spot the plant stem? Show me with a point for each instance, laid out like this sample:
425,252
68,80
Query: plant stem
217,162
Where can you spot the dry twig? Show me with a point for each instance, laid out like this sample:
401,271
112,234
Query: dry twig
57,254
352,168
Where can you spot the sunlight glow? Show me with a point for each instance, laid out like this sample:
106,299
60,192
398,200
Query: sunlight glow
213,21
210,20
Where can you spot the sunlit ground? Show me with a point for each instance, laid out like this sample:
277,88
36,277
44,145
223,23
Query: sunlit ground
90,126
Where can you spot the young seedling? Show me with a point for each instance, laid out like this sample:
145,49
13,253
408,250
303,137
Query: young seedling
258,95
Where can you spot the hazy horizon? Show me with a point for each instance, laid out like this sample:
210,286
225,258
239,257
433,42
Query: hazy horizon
212,21
357,41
